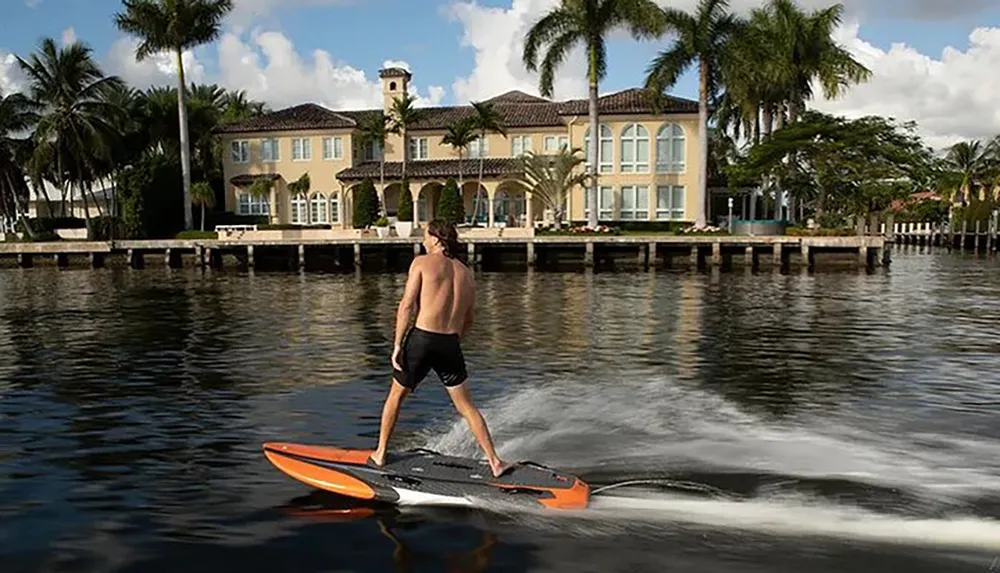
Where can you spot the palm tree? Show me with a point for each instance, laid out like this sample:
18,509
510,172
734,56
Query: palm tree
203,195
970,161
174,25
587,23
76,132
553,177
803,49
702,39
485,119
17,115
404,116
459,136
373,130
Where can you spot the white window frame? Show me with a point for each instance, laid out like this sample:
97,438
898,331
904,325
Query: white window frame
270,150
673,211
553,143
333,148
480,147
418,148
520,145
666,137
334,207
248,205
301,149
605,203
239,151
605,142
319,208
638,194
632,160
299,211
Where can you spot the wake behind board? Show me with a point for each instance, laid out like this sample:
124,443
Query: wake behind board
420,476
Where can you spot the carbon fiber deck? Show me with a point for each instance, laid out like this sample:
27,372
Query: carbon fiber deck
433,473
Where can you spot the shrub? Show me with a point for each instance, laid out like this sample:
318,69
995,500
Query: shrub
450,206
404,212
366,205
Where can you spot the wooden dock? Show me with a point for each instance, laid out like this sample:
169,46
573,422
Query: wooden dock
641,252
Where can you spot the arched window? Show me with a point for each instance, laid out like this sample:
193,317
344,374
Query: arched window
605,150
670,149
318,213
505,207
335,207
635,149
299,209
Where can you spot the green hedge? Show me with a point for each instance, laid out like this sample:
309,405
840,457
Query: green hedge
196,235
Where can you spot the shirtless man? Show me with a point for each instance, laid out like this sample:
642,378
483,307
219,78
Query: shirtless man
442,291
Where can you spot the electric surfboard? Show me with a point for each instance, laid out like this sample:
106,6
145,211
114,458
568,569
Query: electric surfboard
425,477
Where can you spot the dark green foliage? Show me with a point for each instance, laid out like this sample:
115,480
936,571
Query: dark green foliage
105,228
450,207
150,199
366,205
404,212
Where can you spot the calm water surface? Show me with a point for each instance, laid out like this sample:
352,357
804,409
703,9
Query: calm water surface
827,422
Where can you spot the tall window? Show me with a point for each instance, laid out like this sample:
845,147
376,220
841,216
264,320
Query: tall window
519,145
635,202
318,206
418,148
604,149
479,148
240,151
635,149
372,151
269,150
333,148
670,202
301,149
335,207
605,203
670,149
299,209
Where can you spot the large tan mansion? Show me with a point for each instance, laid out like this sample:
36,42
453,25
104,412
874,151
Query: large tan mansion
648,162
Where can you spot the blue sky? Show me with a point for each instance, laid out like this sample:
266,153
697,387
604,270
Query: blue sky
362,34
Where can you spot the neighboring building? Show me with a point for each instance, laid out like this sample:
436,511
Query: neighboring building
648,163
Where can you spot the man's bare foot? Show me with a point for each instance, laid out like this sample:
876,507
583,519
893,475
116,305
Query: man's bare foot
377,458
499,467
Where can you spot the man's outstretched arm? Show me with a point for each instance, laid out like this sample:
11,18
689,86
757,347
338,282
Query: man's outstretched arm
409,303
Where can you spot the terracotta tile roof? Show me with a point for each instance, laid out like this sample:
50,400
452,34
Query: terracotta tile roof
516,96
247,179
628,101
519,110
432,169
300,117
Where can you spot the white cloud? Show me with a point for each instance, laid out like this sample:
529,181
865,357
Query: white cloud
497,36
954,97
32,3
269,68
68,36
11,77
158,69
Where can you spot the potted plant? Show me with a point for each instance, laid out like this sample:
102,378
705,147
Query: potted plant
382,226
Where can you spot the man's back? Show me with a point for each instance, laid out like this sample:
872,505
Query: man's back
447,291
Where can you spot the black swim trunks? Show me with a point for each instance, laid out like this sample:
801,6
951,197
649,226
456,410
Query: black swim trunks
422,351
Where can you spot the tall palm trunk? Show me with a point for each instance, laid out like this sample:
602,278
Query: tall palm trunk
381,179
479,188
703,143
185,142
594,138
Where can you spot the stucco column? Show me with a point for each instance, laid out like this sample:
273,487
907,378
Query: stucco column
490,194
272,199
416,208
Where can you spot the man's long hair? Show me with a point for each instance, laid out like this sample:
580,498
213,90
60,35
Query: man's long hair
447,234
